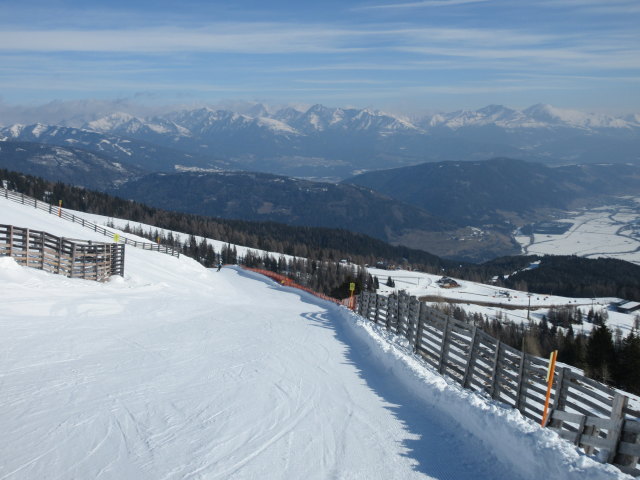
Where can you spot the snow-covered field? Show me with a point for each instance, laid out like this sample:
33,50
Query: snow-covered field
508,304
175,371
610,231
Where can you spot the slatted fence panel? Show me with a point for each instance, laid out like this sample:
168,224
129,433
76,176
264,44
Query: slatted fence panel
72,258
583,411
54,210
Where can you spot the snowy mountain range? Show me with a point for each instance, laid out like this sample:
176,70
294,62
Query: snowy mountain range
325,142
536,116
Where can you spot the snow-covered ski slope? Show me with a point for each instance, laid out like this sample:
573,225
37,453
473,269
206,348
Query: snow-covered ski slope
175,371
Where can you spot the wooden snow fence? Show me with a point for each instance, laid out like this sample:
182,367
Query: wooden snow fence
590,414
70,257
55,210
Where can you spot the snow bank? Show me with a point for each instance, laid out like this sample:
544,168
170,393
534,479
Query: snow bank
531,451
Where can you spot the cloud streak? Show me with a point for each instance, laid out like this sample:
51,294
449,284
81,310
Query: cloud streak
376,50
423,4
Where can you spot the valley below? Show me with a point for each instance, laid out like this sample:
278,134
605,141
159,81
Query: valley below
609,229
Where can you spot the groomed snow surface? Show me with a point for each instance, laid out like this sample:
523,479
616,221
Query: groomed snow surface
175,371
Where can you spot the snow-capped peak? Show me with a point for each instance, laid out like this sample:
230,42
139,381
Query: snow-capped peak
110,122
556,116
536,116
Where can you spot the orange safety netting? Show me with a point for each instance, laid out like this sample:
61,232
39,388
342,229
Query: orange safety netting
287,282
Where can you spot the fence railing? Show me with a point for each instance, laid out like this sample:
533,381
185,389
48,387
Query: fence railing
55,210
583,411
70,257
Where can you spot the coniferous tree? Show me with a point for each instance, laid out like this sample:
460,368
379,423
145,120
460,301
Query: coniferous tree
600,354
628,368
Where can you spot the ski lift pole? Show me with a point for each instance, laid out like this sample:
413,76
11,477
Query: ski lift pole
550,374
60,208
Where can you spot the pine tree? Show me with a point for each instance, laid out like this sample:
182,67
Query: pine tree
628,367
600,354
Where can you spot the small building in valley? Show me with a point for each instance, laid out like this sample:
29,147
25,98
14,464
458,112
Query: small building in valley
446,282
627,307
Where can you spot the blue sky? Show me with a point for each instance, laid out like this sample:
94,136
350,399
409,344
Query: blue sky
398,56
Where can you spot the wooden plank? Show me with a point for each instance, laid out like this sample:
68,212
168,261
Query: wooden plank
588,403
531,387
632,412
506,374
459,365
592,383
594,441
627,448
564,433
606,403
531,415
578,408
428,359
510,394
634,472
631,426
482,366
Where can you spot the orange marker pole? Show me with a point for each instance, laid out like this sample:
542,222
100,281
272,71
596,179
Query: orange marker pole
60,208
550,374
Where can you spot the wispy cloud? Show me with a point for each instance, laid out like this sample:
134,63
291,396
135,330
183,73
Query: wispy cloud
423,4
241,38
377,49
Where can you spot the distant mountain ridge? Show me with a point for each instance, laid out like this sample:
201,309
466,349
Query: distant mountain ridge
66,164
323,142
266,197
138,154
493,191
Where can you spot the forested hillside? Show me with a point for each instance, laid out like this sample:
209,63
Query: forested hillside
498,190
560,275
310,242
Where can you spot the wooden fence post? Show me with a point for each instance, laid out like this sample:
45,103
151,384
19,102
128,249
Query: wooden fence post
443,348
26,240
59,255
559,397
376,315
617,417
362,301
493,391
466,379
413,313
42,250
417,340
520,391
392,308
73,259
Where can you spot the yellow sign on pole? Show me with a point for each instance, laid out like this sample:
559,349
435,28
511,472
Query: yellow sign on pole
116,237
352,288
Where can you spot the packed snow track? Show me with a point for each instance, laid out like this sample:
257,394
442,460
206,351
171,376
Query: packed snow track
175,371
